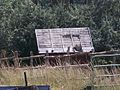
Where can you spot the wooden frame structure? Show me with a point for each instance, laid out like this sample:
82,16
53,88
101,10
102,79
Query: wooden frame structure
109,69
58,40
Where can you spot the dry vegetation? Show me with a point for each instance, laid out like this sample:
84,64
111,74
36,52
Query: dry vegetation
107,79
59,78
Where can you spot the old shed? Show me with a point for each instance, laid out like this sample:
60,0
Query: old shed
58,40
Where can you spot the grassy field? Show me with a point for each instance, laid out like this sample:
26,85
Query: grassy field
58,78
67,78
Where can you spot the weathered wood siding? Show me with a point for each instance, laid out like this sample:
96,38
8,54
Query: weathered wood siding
59,39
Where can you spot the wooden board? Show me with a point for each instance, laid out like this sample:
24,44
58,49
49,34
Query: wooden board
59,39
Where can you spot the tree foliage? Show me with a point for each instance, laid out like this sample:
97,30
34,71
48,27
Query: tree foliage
19,18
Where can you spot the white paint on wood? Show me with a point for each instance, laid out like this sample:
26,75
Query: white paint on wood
59,39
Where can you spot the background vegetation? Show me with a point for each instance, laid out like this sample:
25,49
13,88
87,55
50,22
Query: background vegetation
19,18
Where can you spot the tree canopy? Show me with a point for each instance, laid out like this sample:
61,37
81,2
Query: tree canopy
20,18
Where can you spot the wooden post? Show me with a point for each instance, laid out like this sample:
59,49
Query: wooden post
3,55
0,60
68,50
92,77
25,77
31,58
68,56
114,60
47,59
16,60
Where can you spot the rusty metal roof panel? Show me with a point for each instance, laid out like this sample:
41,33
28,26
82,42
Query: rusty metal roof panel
59,39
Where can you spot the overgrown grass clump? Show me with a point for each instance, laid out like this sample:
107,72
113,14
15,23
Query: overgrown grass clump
58,78
62,78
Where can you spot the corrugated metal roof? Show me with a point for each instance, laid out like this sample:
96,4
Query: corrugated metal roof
59,39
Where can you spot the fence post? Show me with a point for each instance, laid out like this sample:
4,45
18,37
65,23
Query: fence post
92,73
16,60
31,58
3,55
25,77
68,56
47,59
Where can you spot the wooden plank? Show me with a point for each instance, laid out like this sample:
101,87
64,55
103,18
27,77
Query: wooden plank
108,65
44,66
109,85
16,59
105,52
65,37
47,63
2,59
31,59
106,55
38,56
3,55
62,41
51,39
108,75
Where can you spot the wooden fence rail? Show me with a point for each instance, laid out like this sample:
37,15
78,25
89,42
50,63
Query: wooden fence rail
66,58
48,59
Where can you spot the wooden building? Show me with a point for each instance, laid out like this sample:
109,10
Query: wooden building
58,40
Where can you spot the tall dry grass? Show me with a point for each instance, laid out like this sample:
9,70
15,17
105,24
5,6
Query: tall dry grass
62,78
67,78
107,78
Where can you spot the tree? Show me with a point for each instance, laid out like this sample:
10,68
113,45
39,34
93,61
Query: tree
20,18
